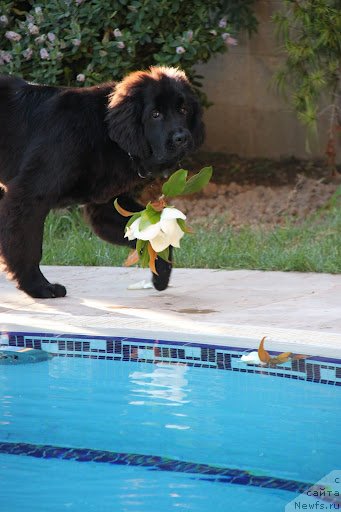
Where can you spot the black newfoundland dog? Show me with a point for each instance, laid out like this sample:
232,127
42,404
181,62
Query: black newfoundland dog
67,146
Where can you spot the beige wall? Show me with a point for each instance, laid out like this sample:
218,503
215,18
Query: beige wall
248,116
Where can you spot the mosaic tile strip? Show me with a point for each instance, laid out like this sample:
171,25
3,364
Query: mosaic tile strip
313,369
204,471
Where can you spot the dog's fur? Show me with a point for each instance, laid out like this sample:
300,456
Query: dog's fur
67,146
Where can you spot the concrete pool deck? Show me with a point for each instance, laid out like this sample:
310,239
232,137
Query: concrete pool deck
297,312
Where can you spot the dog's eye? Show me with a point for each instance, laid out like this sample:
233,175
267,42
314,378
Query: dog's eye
183,110
155,114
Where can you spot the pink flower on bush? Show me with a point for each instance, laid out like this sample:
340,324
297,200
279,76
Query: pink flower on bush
27,54
5,57
33,29
51,37
3,20
180,49
44,54
231,41
80,77
222,23
117,32
41,39
12,36
76,42
189,35
121,44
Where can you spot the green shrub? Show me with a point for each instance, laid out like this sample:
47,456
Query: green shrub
312,72
83,42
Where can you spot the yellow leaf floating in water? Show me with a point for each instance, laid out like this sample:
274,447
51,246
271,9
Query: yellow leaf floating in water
281,358
263,355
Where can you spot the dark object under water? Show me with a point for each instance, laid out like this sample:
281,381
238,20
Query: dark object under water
22,355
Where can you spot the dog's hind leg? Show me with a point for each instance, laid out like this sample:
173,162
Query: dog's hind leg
109,225
21,232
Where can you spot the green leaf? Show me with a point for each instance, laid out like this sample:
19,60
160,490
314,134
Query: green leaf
149,216
175,184
182,224
145,222
18,12
141,245
164,254
153,215
198,181
144,256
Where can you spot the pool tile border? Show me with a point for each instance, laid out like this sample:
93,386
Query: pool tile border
205,472
320,370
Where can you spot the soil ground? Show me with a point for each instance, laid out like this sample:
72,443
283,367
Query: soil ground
255,192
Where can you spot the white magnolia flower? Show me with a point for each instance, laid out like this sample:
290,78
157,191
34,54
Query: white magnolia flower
161,235
251,358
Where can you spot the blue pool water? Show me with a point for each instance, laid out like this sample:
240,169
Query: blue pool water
275,427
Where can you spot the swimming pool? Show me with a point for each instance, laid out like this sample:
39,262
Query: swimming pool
100,428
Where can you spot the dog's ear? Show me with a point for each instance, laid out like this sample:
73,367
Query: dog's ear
196,124
125,109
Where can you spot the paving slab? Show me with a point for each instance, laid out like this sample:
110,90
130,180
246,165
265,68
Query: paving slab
296,311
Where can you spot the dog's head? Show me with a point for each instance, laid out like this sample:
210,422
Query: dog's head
155,116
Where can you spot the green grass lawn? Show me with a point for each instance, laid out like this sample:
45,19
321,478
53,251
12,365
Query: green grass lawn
313,246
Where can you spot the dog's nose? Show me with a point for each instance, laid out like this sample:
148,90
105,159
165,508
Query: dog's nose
179,138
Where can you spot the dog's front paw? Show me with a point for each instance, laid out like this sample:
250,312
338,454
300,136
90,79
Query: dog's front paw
164,269
45,291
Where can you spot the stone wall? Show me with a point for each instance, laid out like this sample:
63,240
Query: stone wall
249,117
